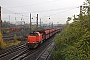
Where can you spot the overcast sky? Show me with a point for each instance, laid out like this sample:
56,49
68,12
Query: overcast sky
57,10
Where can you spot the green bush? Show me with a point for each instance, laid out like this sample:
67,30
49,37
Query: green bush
74,42
2,44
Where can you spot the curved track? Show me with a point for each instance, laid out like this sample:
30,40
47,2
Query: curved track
32,54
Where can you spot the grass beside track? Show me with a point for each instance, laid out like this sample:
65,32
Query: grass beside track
10,43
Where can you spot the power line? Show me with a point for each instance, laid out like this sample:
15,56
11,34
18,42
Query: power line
9,10
65,10
33,4
61,12
52,10
42,10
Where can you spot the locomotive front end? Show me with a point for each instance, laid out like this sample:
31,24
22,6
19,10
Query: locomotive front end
34,39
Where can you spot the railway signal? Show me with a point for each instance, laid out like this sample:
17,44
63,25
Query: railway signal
49,17
80,9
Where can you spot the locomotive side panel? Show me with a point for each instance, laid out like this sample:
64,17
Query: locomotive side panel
39,38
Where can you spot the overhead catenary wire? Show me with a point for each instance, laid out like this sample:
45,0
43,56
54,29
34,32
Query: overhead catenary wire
34,4
58,9
65,10
8,10
47,11
61,12
41,11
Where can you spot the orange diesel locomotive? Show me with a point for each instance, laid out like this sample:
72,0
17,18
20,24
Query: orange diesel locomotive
36,38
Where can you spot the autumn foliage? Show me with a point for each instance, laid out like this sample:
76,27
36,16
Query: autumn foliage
1,42
74,41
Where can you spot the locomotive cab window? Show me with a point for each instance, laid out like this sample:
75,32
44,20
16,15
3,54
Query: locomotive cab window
33,34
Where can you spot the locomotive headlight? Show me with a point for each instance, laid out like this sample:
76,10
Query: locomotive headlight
33,42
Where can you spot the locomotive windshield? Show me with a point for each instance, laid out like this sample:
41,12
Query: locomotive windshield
33,34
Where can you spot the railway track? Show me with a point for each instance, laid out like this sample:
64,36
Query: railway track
39,51
21,52
11,51
32,54
20,55
45,55
10,36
